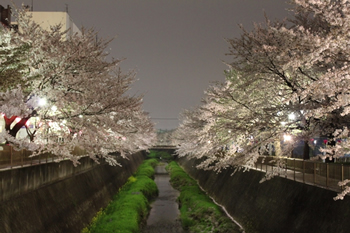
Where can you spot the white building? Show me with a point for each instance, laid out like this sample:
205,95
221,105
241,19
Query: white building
46,19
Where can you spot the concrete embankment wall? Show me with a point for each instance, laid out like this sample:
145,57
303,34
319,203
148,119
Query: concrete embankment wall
20,180
274,206
67,204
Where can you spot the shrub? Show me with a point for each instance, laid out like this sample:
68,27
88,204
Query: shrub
130,207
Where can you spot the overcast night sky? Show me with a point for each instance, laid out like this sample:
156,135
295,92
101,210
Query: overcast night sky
175,46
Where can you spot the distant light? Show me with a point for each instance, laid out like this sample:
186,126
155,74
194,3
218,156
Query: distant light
229,131
80,116
54,108
209,142
42,102
315,141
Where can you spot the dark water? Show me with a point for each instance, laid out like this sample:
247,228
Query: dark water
164,215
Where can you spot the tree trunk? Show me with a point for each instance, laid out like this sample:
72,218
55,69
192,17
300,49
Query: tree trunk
278,151
306,152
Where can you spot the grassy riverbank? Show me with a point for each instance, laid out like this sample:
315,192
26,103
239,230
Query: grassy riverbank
130,207
198,212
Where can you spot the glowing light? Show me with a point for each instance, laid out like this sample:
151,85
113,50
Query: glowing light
42,102
315,141
291,116
287,137
80,116
54,108
283,123
209,142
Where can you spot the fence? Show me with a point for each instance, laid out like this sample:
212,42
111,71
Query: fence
11,158
325,175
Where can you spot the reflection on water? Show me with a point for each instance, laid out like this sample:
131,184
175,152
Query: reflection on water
164,215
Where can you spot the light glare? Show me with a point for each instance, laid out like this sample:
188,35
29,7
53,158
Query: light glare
291,116
287,137
42,102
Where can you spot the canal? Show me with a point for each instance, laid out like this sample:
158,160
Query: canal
164,215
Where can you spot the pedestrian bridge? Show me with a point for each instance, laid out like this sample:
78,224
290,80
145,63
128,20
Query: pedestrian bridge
163,147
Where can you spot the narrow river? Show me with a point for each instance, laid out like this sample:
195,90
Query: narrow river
164,215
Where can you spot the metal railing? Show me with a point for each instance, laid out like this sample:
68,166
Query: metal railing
325,175
11,158
317,173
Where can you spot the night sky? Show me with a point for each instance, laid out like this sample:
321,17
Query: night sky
177,47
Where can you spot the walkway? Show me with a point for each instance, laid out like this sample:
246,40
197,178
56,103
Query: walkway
313,178
164,215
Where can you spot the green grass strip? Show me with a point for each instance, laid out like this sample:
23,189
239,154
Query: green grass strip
198,212
130,207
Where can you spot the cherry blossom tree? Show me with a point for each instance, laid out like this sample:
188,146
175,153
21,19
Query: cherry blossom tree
332,86
289,76
86,102
233,125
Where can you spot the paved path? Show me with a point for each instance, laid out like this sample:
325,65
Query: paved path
307,178
164,215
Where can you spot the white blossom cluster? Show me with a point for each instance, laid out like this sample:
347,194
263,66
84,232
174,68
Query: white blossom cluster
287,82
67,94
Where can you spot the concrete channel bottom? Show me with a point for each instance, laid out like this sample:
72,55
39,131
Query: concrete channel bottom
164,215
